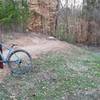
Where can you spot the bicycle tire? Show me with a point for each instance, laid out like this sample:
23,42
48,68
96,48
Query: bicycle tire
19,70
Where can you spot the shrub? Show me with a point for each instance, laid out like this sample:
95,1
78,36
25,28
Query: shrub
62,34
13,12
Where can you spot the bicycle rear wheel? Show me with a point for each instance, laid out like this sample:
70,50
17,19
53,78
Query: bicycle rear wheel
20,62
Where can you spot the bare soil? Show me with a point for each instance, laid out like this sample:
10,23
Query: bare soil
35,44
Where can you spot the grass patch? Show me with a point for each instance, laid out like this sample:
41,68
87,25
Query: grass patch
55,75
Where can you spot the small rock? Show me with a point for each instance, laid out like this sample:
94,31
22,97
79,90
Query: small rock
51,38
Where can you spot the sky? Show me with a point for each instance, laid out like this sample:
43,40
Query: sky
71,2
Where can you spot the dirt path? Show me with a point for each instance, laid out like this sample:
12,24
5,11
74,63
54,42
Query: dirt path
36,45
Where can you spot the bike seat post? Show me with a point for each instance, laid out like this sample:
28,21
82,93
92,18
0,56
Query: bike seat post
13,45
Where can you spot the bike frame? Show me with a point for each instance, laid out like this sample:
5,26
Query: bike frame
9,51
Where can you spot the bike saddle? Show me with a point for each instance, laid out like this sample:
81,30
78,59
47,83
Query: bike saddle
13,45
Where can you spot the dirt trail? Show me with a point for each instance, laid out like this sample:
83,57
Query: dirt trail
35,45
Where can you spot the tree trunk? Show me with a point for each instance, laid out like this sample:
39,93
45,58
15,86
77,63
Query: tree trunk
57,9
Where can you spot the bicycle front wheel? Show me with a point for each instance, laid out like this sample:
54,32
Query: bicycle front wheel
20,62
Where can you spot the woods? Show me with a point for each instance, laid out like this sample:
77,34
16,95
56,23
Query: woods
73,21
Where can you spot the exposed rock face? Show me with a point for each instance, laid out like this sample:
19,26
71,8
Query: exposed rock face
43,19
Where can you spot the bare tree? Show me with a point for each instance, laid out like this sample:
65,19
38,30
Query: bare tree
57,10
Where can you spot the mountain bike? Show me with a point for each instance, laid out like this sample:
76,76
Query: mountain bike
19,61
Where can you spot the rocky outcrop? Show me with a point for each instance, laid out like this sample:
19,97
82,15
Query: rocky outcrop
43,15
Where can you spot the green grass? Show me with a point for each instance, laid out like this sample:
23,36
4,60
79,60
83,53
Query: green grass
56,75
